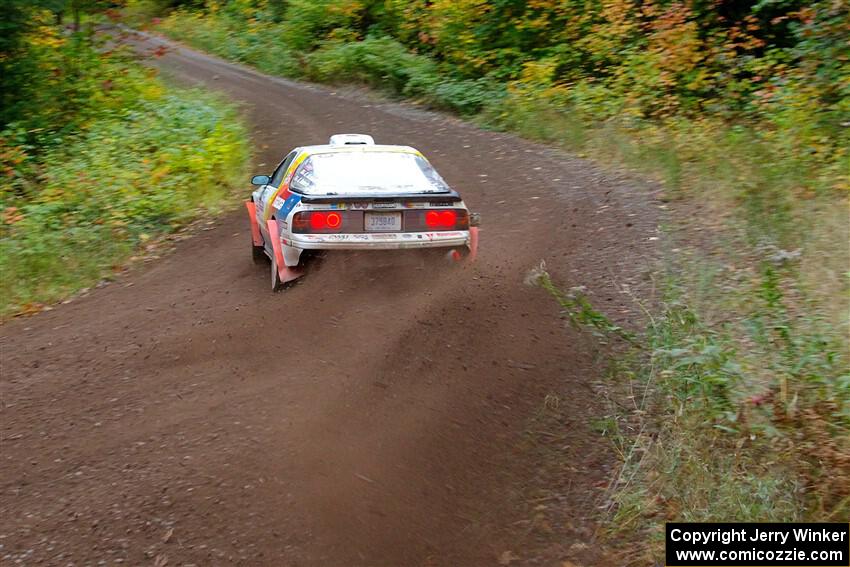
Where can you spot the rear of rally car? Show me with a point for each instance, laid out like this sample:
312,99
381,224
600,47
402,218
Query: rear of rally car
367,197
378,224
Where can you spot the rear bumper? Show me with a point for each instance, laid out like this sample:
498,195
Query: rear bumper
378,241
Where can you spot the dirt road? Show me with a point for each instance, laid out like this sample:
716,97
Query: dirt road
374,414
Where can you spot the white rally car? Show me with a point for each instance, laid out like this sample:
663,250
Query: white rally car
352,194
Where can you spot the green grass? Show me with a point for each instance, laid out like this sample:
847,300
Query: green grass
757,195
745,417
106,191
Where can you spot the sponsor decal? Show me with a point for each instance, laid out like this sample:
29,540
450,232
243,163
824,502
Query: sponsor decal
438,235
384,205
441,204
384,237
338,237
287,200
359,205
407,235
360,236
338,206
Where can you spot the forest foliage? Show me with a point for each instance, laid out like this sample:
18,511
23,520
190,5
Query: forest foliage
98,156
782,63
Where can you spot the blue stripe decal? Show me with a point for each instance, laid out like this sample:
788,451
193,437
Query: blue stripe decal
288,204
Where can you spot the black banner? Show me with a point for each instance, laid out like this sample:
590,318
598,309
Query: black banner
758,545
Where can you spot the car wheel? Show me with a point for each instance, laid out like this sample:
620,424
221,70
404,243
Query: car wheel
277,284
258,253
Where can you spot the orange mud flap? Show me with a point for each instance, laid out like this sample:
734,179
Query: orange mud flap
255,228
473,244
286,273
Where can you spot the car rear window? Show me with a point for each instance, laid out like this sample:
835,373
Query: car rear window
367,172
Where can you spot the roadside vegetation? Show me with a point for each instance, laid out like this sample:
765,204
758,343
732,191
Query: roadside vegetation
739,383
99,157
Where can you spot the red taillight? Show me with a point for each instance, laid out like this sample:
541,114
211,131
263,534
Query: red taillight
317,221
333,220
446,219
301,222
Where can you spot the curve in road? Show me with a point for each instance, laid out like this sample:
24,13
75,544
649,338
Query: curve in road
374,414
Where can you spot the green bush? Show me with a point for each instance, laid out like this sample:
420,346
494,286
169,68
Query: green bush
119,184
105,159
385,64
381,62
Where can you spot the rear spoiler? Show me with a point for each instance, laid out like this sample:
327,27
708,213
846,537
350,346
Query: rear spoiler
450,197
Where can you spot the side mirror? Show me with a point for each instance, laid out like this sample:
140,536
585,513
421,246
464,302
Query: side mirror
260,180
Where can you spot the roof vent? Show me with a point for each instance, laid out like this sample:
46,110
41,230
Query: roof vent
351,140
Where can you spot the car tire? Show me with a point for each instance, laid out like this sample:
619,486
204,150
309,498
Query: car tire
258,253
277,284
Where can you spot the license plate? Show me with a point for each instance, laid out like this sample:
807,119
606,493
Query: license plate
383,222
